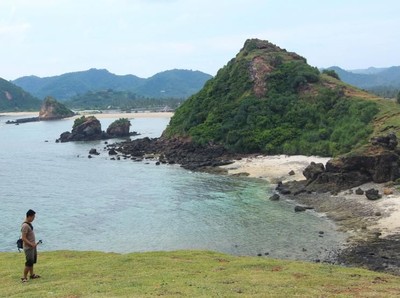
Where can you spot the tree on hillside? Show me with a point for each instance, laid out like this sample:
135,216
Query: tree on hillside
398,97
332,73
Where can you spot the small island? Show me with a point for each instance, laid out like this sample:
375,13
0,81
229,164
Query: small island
89,129
51,109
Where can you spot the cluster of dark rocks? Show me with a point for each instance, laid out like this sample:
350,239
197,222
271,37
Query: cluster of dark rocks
23,120
379,254
379,163
180,151
90,130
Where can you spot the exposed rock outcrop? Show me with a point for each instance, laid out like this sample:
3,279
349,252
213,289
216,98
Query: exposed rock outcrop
52,109
372,194
84,129
379,163
119,128
182,151
89,129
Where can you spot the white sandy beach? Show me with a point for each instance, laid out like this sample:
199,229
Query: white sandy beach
274,168
20,114
277,168
390,205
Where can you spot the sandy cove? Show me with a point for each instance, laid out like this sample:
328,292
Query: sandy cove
380,216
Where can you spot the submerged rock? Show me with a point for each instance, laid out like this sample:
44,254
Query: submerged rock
274,197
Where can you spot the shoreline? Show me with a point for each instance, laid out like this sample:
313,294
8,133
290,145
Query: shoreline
385,212
113,114
104,115
373,227
364,221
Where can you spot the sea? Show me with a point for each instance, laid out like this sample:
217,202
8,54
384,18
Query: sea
122,206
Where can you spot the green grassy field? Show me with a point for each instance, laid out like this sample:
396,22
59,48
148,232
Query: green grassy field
186,274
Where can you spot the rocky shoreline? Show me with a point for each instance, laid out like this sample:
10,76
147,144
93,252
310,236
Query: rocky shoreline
367,246
354,214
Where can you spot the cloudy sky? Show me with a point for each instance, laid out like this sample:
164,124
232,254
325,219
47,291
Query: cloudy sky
143,37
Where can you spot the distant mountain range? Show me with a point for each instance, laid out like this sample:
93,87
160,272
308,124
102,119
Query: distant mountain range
382,81
176,83
99,88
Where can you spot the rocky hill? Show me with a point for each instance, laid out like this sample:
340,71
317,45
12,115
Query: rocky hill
268,100
172,83
14,99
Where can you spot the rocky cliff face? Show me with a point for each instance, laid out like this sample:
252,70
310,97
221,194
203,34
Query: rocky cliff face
263,64
52,109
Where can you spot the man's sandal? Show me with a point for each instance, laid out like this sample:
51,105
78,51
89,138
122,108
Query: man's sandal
33,276
24,279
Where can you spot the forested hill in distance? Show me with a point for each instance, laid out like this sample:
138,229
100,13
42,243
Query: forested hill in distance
382,81
176,83
15,99
268,100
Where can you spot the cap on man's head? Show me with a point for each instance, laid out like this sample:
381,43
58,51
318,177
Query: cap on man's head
30,213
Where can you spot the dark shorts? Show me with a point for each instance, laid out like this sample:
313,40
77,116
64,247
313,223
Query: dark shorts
31,256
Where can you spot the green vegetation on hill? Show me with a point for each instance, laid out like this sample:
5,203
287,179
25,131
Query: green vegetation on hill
111,99
186,274
81,120
71,84
175,83
268,100
14,99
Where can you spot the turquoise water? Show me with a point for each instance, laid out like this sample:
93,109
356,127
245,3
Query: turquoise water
125,206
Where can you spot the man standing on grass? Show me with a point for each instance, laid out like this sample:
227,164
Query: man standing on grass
28,238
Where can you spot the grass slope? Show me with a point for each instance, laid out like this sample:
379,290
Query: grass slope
186,274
